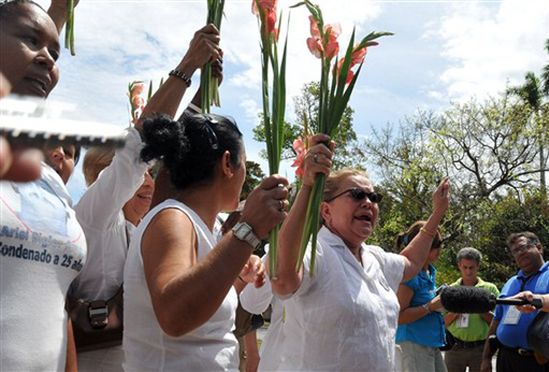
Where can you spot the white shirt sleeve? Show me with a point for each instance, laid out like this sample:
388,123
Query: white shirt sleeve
256,300
101,203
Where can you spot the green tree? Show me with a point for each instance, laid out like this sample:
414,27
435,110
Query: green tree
348,151
545,72
532,92
254,175
487,149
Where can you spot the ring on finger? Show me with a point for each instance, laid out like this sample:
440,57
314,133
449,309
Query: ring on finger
315,158
281,205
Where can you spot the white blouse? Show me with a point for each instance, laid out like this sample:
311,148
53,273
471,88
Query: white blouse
344,317
99,212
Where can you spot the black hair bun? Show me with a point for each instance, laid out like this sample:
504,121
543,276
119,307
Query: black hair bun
165,139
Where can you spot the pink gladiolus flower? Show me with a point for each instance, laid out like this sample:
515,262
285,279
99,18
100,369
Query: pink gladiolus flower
301,151
269,10
138,101
315,47
328,45
332,48
357,57
265,5
314,27
137,89
271,23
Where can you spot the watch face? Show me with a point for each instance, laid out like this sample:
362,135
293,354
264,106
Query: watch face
241,230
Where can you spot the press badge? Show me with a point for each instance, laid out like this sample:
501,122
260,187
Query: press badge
463,321
512,317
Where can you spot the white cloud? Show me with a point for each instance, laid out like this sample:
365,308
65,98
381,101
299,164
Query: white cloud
490,44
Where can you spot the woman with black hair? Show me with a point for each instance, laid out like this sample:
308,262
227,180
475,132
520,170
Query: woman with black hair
180,297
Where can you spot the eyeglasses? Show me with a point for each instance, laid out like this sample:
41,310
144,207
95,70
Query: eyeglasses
359,194
521,248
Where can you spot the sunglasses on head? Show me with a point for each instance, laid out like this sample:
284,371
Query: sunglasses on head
359,194
211,120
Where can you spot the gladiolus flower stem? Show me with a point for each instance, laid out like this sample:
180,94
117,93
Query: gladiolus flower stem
69,29
274,105
209,85
335,92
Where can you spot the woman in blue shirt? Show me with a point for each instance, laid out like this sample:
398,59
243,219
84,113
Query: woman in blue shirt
421,327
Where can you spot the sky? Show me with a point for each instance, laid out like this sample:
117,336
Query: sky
443,51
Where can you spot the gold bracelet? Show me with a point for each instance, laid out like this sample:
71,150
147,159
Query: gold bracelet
427,232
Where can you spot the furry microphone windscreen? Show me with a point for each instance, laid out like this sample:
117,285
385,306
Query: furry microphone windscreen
471,300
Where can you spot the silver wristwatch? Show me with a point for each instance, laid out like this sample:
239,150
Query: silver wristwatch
243,231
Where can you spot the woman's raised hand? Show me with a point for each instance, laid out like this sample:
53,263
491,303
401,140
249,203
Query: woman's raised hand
266,205
318,158
441,197
204,47
253,271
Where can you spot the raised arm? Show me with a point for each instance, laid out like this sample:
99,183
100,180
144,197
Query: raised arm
58,13
417,251
185,293
289,240
203,47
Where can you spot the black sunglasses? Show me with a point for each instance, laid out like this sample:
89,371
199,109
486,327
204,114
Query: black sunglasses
359,194
212,119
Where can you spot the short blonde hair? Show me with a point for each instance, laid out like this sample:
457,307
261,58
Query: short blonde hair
335,179
95,160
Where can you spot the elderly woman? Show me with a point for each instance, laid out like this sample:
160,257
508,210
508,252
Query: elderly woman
421,326
43,246
346,310
180,284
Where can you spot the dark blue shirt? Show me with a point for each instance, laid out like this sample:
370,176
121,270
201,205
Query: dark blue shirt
514,335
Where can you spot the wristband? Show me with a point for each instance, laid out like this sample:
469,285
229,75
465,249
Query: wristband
426,307
242,280
180,74
427,232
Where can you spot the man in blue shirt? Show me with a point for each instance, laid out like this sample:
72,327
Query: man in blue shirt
509,324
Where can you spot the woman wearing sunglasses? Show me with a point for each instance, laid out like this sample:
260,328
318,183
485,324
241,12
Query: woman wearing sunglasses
347,310
180,284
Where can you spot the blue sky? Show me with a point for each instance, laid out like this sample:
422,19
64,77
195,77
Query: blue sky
442,52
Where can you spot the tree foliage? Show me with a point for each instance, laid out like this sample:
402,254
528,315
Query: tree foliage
254,175
348,152
488,149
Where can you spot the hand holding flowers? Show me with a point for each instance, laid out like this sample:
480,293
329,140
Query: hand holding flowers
274,97
337,81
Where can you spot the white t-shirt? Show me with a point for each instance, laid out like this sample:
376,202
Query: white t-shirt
99,212
212,346
42,249
344,318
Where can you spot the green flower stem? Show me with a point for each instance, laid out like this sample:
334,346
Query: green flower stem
69,30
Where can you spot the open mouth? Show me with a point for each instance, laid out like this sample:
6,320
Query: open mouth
364,217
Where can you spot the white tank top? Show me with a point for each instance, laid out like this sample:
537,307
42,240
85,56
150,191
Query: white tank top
210,347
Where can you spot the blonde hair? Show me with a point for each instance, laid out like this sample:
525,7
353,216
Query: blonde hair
335,179
95,160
